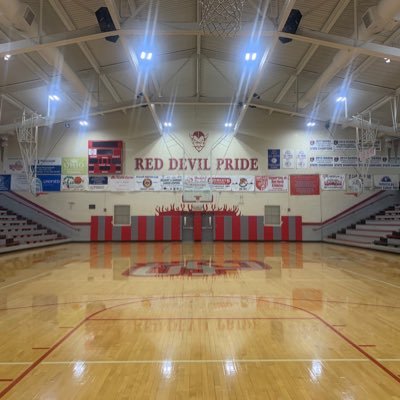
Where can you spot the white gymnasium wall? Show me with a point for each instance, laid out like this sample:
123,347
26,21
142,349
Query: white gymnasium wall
258,132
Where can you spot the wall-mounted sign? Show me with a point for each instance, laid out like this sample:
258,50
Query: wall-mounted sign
304,185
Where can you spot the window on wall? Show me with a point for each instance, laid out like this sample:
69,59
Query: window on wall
122,215
272,215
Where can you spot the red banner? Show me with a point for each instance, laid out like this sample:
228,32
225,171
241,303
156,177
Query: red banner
304,185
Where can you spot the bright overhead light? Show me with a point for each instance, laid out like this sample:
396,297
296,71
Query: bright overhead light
149,56
146,55
341,99
228,124
253,56
168,124
54,97
83,123
310,124
247,57
7,57
250,56
387,60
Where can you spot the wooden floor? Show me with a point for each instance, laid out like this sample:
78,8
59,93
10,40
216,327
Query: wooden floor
200,321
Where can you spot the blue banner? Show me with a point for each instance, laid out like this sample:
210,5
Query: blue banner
5,183
50,183
274,158
98,180
47,169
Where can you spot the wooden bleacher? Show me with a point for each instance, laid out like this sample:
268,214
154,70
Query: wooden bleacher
380,231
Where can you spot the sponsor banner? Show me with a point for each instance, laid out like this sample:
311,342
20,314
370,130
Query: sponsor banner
321,144
344,144
74,166
301,159
321,161
74,183
352,179
19,183
333,182
243,183
50,183
386,182
118,183
172,183
344,161
98,183
288,158
148,183
5,183
14,165
271,184
49,166
196,182
304,185
274,159
392,163
221,183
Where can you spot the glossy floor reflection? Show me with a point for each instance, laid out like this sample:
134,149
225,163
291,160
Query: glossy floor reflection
200,321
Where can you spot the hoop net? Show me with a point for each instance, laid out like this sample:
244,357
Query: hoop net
221,18
366,135
27,135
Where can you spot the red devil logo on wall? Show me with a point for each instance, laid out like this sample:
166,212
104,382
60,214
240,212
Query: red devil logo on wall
199,140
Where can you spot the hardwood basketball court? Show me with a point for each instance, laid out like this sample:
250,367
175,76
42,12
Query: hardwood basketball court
185,321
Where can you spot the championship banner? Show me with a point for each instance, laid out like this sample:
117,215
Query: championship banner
274,159
19,183
172,183
98,183
301,159
304,185
74,165
344,161
386,182
196,182
118,183
352,179
243,183
288,158
333,182
344,144
221,183
271,184
148,183
50,183
321,161
321,144
5,183
74,183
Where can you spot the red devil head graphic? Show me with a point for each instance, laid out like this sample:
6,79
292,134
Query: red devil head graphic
199,140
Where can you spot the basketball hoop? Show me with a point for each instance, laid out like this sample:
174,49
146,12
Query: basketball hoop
221,18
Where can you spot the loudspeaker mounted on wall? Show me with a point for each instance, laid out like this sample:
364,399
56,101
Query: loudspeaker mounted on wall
106,23
291,25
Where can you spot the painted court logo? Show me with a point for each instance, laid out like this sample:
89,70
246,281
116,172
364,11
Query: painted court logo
199,140
194,268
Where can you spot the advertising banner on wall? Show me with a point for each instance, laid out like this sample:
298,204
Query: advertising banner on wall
50,183
274,158
48,166
321,144
196,182
352,181
74,183
243,183
5,183
98,183
172,183
304,185
386,182
288,160
301,159
221,183
14,165
19,183
271,184
119,183
148,183
321,161
74,166
333,182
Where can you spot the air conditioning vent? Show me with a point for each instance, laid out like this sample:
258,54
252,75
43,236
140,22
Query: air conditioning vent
29,16
367,19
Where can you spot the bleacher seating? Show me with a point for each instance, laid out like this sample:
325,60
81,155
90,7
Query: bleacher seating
380,231
17,232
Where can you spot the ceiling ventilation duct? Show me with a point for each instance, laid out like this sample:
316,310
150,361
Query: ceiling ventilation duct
21,17
382,17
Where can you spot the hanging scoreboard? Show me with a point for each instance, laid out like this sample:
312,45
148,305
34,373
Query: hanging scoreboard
105,157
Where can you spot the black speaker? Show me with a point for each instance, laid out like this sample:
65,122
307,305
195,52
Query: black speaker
106,23
291,25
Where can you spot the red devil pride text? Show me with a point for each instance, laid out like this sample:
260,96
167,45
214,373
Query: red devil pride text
196,164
